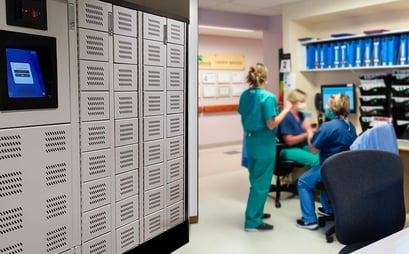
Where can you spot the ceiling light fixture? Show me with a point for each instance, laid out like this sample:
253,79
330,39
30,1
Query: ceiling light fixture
227,29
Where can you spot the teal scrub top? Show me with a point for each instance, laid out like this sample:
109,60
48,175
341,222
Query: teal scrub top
256,106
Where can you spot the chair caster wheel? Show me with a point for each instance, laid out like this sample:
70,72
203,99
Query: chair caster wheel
278,204
330,239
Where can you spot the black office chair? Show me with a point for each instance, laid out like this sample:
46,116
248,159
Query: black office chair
283,168
366,192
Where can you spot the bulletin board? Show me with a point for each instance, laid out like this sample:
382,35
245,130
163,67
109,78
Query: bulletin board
222,79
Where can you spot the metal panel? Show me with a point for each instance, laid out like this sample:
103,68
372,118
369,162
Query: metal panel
153,78
125,21
126,132
96,164
126,104
174,102
174,125
153,27
174,147
153,103
154,200
127,211
96,223
175,79
153,152
126,185
94,106
153,128
95,194
93,45
36,170
175,55
125,49
125,77
127,237
175,169
95,135
154,225
93,14
93,75
176,32
154,176
175,214
154,53
126,158
174,192
102,244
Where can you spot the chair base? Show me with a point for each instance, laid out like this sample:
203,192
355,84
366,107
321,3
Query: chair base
278,188
329,233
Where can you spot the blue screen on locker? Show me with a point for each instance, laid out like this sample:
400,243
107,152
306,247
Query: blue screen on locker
24,75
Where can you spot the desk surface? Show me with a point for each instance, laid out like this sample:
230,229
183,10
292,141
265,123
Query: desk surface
397,243
403,145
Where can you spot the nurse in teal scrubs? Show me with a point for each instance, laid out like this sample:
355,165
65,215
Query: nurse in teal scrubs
259,117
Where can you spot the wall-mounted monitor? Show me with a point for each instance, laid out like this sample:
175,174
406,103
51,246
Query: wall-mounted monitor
28,71
348,89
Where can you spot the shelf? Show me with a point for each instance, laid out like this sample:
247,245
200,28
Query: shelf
406,66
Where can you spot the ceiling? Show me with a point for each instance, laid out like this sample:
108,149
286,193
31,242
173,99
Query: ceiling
254,7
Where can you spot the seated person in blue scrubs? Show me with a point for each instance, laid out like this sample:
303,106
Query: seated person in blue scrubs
292,131
332,137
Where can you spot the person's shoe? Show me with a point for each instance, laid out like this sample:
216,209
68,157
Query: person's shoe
262,227
323,213
266,216
307,225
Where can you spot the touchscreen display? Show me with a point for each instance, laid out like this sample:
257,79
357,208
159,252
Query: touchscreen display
24,75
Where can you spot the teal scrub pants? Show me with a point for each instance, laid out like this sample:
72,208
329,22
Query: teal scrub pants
261,151
303,156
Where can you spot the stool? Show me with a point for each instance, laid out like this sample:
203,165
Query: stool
323,219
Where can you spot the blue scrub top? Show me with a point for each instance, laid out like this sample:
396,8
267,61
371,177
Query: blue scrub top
333,137
256,106
290,126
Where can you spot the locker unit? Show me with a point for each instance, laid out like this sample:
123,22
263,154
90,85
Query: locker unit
104,171
132,117
163,129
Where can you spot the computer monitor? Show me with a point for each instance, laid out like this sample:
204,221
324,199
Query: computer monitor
348,89
28,71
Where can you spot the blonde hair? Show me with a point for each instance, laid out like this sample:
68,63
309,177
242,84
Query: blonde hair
296,96
340,105
257,75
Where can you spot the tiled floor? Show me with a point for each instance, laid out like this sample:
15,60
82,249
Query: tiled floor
223,189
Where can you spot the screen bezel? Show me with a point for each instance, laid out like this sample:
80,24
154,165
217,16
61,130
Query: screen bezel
47,56
347,86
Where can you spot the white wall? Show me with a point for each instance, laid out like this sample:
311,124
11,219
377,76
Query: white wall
224,127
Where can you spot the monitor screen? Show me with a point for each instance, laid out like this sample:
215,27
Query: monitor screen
24,76
28,71
348,89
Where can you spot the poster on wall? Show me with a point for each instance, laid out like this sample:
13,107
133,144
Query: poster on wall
224,91
237,90
237,77
223,77
209,91
208,77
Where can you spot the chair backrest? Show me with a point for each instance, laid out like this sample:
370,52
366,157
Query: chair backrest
366,191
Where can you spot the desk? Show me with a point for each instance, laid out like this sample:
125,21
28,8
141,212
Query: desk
397,243
404,155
